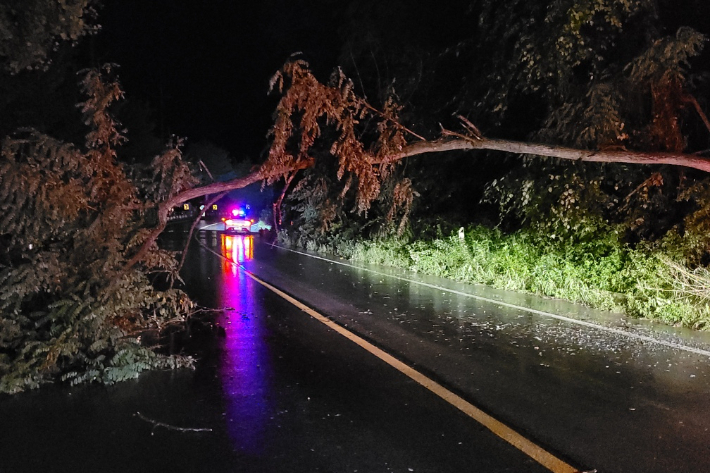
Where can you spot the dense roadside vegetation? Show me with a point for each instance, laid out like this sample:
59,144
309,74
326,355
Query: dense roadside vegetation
596,269
74,213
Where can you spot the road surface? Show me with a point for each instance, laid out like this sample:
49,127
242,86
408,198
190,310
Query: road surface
282,391
602,391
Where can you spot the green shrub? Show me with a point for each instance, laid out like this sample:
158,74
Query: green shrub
592,267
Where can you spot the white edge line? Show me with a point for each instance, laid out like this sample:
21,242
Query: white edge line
645,338
210,225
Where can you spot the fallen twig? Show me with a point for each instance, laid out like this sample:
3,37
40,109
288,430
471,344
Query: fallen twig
170,427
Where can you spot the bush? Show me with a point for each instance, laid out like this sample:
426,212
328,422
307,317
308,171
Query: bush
73,218
593,267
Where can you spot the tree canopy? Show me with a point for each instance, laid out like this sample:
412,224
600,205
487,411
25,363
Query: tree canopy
605,82
30,30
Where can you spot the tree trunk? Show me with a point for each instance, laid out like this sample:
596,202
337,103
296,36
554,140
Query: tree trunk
561,152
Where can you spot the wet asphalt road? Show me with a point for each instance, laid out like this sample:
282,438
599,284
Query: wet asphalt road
281,392
611,400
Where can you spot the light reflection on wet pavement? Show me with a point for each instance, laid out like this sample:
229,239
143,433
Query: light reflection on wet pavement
245,362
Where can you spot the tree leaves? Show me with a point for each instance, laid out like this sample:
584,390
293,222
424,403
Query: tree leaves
31,29
307,106
72,218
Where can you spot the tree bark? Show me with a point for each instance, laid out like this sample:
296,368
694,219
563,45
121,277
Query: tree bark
553,151
276,208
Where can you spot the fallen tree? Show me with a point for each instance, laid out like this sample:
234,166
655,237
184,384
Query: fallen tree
366,158
80,229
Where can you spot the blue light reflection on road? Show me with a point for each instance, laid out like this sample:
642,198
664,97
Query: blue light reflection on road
245,365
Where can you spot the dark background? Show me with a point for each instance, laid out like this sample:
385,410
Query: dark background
203,68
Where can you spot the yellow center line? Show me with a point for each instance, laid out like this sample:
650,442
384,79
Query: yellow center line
526,446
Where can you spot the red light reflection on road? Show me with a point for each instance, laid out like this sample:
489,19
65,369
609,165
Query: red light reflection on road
238,248
245,364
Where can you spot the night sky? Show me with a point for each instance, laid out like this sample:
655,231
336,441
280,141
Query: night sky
204,67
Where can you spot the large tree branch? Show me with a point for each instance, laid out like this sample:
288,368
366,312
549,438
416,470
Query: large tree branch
195,221
276,207
214,188
306,104
166,206
691,100
553,151
460,143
